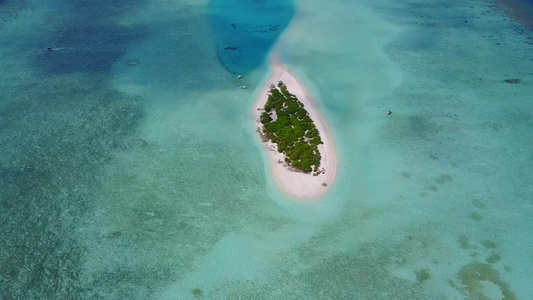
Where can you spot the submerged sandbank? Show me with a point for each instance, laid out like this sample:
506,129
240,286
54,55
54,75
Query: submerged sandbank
298,184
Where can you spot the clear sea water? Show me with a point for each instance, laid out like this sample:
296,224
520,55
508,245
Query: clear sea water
130,167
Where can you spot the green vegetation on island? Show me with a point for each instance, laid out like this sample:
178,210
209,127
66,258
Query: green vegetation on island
287,123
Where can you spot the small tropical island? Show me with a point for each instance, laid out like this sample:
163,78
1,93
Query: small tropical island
287,124
299,144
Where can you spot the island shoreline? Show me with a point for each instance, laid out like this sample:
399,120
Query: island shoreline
302,186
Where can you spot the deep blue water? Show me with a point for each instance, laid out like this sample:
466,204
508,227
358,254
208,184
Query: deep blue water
246,30
90,40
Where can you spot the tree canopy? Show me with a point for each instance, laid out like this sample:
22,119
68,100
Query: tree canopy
287,123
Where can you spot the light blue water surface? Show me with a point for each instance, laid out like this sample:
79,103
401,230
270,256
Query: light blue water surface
130,168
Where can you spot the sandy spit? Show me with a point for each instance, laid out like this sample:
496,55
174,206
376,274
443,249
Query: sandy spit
299,185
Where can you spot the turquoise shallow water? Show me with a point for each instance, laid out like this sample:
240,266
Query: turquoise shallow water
130,168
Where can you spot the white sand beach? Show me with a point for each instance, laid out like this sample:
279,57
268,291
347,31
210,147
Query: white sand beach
301,186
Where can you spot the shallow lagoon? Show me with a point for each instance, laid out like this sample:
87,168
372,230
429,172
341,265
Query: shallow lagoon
136,173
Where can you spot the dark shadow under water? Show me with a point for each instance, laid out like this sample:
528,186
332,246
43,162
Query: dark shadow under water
521,10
